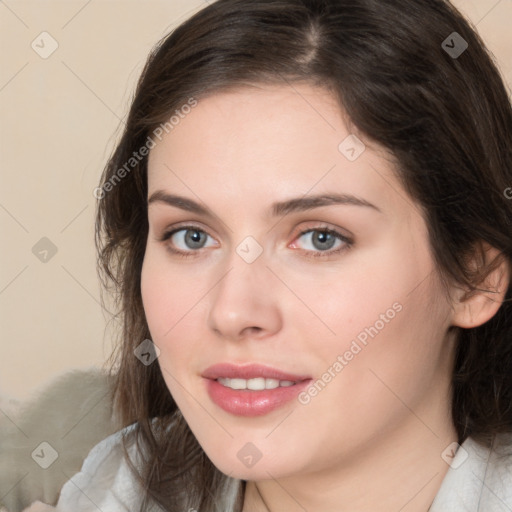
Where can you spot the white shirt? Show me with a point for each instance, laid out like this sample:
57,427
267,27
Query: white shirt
478,480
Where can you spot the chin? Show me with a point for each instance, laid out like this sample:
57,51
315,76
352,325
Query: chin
243,460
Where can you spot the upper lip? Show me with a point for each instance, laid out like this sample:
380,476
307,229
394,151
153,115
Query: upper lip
249,371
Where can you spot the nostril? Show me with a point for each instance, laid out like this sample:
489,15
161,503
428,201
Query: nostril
252,330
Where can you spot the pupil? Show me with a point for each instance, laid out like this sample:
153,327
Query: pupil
194,239
323,240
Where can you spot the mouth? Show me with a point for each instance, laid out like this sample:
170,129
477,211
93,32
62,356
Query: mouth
252,390
256,384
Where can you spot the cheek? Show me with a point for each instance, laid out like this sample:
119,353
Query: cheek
171,303
355,300
168,296
387,316
389,354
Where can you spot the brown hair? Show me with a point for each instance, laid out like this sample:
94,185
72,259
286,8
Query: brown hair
447,120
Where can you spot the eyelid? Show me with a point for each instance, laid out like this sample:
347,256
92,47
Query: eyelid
170,230
168,233
344,234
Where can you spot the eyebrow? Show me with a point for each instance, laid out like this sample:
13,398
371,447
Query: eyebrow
280,208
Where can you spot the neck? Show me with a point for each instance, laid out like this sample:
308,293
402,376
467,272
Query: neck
401,472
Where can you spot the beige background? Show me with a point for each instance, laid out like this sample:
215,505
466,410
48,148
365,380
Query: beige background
60,118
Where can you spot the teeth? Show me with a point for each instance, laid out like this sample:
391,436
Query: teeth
257,384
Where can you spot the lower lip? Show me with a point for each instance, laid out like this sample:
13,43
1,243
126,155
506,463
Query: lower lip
245,402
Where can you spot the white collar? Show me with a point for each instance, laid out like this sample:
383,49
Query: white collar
479,479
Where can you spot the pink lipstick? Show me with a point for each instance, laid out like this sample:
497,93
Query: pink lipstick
252,390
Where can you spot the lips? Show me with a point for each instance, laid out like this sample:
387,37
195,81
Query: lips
249,402
250,371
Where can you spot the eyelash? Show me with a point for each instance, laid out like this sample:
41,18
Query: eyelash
348,243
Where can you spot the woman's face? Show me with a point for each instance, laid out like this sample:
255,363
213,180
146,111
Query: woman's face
294,247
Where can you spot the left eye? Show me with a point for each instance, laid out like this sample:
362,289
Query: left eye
321,240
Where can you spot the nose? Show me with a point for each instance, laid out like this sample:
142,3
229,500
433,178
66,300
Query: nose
245,303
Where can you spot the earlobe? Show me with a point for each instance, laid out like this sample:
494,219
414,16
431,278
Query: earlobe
473,308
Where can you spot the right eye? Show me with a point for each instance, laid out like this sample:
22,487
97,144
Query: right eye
187,239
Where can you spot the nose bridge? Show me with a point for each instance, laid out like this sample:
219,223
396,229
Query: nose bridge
247,268
243,299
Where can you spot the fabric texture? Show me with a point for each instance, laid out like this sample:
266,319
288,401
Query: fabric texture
478,480
105,481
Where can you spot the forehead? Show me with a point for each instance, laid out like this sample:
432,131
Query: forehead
264,141
254,121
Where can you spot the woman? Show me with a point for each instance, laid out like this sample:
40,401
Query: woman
307,226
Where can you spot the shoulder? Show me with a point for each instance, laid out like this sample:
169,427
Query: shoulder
479,478
105,481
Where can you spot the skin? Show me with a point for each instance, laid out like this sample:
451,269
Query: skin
372,438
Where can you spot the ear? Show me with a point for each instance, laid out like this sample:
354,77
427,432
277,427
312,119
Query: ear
473,308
